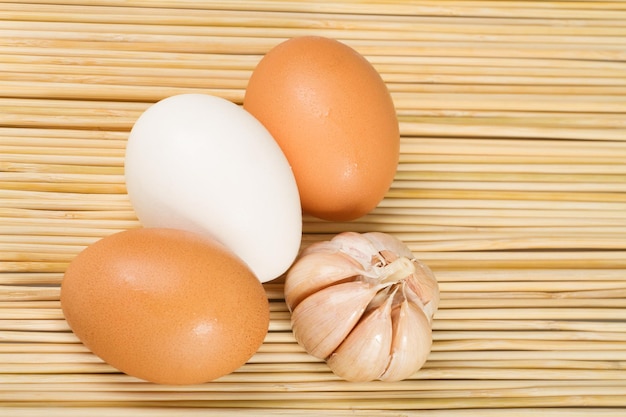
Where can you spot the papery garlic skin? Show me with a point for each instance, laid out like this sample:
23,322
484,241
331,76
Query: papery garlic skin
363,303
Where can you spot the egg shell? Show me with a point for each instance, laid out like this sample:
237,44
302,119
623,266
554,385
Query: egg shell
165,305
333,117
202,163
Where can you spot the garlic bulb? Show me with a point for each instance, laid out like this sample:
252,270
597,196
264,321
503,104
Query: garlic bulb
364,304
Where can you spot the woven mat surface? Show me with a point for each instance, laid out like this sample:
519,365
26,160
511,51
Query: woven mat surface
511,187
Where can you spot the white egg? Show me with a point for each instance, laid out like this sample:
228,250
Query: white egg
202,163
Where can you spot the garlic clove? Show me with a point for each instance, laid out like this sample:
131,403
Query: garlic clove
411,342
322,321
423,286
364,354
317,271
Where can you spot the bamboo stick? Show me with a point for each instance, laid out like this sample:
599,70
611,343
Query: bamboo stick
28,293
385,64
423,83
504,275
612,300
414,384
530,324
33,325
513,172
14,165
26,134
447,128
508,195
128,58
62,178
550,298
78,188
32,266
519,217
93,395
489,387
391,72
102,215
62,241
63,201
441,210
482,146
408,158
95,92
192,82
123,410
115,161
82,107
406,205
412,223
336,402
60,230
393,32
31,278
486,9
123,223
40,348
533,313
569,355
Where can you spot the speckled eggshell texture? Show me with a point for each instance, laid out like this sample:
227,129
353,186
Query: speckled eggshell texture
334,118
165,305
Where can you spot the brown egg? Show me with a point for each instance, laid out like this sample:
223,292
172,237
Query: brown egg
165,305
334,119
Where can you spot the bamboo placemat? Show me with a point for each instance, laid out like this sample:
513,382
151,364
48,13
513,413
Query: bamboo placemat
512,187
